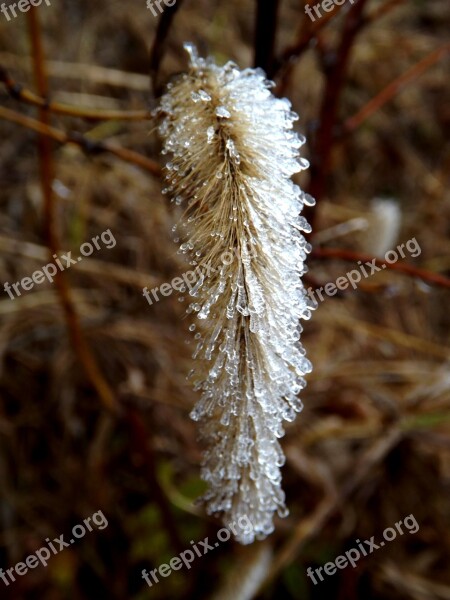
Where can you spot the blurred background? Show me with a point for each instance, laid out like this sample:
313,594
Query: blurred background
94,401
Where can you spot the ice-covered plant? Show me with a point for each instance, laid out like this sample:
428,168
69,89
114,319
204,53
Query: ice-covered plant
232,153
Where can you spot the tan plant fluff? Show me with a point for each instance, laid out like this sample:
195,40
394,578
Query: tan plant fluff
233,152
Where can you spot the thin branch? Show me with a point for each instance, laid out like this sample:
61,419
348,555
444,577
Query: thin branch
159,45
350,256
81,347
265,35
18,92
87,145
143,447
395,87
336,70
307,32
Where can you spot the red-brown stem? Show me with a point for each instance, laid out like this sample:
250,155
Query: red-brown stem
395,87
322,147
142,444
47,170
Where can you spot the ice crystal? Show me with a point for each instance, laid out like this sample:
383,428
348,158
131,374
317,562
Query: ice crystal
233,151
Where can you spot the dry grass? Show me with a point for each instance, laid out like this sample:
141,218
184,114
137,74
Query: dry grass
372,444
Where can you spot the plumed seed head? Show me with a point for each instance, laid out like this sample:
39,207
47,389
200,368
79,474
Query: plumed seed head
232,152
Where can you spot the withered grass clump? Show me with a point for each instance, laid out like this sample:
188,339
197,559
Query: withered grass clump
372,443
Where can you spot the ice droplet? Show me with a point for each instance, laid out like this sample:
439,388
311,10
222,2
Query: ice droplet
222,112
210,133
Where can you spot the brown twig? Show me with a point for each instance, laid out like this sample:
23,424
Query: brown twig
336,68
47,171
87,145
349,255
18,92
307,32
140,441
395,87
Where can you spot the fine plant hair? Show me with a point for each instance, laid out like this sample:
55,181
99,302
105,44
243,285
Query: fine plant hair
232,153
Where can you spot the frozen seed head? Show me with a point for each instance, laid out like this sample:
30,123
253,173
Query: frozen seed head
232,153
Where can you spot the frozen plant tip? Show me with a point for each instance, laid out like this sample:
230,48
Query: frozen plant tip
232,152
